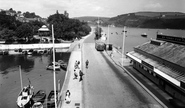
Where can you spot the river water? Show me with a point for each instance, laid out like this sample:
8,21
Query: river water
33,68
133,36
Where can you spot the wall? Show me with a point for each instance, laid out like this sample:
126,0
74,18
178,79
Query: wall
33,46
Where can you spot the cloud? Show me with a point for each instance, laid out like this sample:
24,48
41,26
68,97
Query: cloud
153,6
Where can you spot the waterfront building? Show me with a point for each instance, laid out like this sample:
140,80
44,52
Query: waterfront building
44,34
162,60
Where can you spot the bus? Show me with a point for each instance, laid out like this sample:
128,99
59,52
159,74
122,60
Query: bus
100,46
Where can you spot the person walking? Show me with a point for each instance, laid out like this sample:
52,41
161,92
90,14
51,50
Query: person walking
67,98
81,75
87,63
75,74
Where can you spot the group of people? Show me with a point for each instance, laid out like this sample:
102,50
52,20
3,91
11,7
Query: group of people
77,72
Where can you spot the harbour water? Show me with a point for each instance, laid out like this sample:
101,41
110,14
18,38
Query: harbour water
133,36
33,68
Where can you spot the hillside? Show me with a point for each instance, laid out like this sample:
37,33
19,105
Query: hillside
91,18
172,20
146,19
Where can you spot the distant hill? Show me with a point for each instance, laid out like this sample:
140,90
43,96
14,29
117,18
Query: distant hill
92,19
145,19
172,20
158,14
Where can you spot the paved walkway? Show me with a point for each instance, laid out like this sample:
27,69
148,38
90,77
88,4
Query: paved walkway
71,84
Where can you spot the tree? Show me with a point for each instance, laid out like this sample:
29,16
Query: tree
66,28
7,34
24,31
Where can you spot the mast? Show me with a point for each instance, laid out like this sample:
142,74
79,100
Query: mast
54,76
20,76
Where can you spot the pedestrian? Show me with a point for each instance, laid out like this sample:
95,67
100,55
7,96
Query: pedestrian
78,62
79,45
75,74
87,63
68,93
67,98
81,75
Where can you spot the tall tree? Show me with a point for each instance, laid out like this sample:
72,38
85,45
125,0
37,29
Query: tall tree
24,31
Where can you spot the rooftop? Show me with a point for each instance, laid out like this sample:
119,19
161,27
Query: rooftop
171,52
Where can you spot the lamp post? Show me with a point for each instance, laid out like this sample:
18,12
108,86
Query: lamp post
108,36
123,46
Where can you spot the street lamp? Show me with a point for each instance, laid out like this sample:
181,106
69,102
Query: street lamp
123,46
108,35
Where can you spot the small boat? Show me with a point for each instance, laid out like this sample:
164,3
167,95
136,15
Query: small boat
38,105
39,96
63,65
30,52
25,97
50,66
51,99
144,35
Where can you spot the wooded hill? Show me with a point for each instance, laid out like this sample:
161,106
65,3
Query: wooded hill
171,20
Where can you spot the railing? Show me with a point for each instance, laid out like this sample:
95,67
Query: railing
33,46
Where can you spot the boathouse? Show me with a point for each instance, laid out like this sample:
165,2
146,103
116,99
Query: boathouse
162,60
44,34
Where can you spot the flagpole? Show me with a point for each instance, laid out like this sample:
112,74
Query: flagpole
20,76
123,47
54,67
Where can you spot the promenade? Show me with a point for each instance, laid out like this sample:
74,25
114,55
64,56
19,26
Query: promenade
71,84
90,94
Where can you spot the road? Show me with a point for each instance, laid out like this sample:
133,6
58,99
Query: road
108,86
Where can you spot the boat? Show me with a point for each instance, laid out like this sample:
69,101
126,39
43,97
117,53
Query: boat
24,99
50,99
39,96
62,64
14,52
38,105
144,35
50,66
30,52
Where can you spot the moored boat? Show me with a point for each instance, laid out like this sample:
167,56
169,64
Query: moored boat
50,66
51,99
24,99
144,35
38,105
62,64
39,96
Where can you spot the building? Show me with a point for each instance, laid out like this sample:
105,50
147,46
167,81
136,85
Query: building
162,60
44,34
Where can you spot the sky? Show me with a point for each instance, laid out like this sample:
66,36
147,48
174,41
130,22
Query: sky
101,8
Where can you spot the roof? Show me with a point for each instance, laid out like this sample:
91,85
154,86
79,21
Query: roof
165,69
43,28
171,52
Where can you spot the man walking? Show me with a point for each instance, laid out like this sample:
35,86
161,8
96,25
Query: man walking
80,74
87,63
